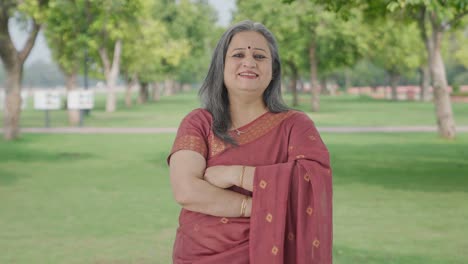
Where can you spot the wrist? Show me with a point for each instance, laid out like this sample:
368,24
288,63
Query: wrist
248,208
240,176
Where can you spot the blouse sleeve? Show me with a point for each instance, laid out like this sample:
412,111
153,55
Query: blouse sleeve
192,134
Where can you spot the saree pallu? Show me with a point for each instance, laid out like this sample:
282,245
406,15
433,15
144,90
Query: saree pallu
291,220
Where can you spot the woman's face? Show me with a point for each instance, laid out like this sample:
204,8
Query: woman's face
248,64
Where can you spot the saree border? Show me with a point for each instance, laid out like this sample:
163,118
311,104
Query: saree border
251,133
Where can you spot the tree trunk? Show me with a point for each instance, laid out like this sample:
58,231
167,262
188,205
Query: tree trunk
13,61
177,87
128,95
111,72
186,87
143,95
301,85
70,84
443,105
347,79
168,87
12,108
315,88
332,87
323,86
111,99
394,81
131,83
425,83
156,92
293,87
293,84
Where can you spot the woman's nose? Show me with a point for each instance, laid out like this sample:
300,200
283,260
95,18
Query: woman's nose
249,62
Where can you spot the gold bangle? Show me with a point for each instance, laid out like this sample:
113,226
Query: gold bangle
241,177
243,206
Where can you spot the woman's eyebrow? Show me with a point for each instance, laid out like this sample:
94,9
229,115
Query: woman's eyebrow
245,49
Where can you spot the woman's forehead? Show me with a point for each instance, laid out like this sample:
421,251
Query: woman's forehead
249,40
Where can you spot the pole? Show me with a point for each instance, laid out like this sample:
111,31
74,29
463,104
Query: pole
47,118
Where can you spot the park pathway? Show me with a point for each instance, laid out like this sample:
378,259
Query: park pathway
147,130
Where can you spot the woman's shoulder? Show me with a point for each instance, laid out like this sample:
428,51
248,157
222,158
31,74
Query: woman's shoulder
199,114
295,116
297,120
199,117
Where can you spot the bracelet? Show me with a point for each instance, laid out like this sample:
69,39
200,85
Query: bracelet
241,177
243,206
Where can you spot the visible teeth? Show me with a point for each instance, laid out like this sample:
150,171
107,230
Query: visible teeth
248,74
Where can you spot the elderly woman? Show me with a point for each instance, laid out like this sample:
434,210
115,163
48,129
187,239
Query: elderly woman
253,177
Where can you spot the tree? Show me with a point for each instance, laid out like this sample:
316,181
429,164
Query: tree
33,13
109,24
434,17
281,20
395,47
441,16
152,48
310,31
65,33
195,21
191,23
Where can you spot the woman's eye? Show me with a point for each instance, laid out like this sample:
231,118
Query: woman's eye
238,55
259,57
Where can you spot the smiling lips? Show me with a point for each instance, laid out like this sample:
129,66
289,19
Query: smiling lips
248,74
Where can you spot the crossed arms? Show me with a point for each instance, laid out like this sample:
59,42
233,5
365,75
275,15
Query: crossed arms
200,189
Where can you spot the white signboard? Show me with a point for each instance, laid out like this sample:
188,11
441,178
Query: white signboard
81,99
24,99
47,100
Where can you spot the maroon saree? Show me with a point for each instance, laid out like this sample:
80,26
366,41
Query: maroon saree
291,219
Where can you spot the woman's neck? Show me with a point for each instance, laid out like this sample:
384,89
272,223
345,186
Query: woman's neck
245,112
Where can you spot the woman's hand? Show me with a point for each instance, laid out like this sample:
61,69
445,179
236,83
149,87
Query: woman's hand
223,176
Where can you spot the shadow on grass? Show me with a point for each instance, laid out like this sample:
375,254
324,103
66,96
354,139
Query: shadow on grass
159,159
345,255
8,177
344,104
421,167
20,154
10,154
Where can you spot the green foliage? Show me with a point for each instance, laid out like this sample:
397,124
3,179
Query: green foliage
66,34
340,43
365,73
460,41
148,45
445,12
35,9
196,22
192,23
281,20
76,26
173,40
396,47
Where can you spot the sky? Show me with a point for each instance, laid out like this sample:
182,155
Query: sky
42,52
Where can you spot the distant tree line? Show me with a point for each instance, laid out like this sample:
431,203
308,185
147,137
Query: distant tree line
40,74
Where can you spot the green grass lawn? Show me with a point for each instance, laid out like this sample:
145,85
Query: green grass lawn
398,198
335,111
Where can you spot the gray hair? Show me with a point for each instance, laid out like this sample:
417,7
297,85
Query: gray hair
213,92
